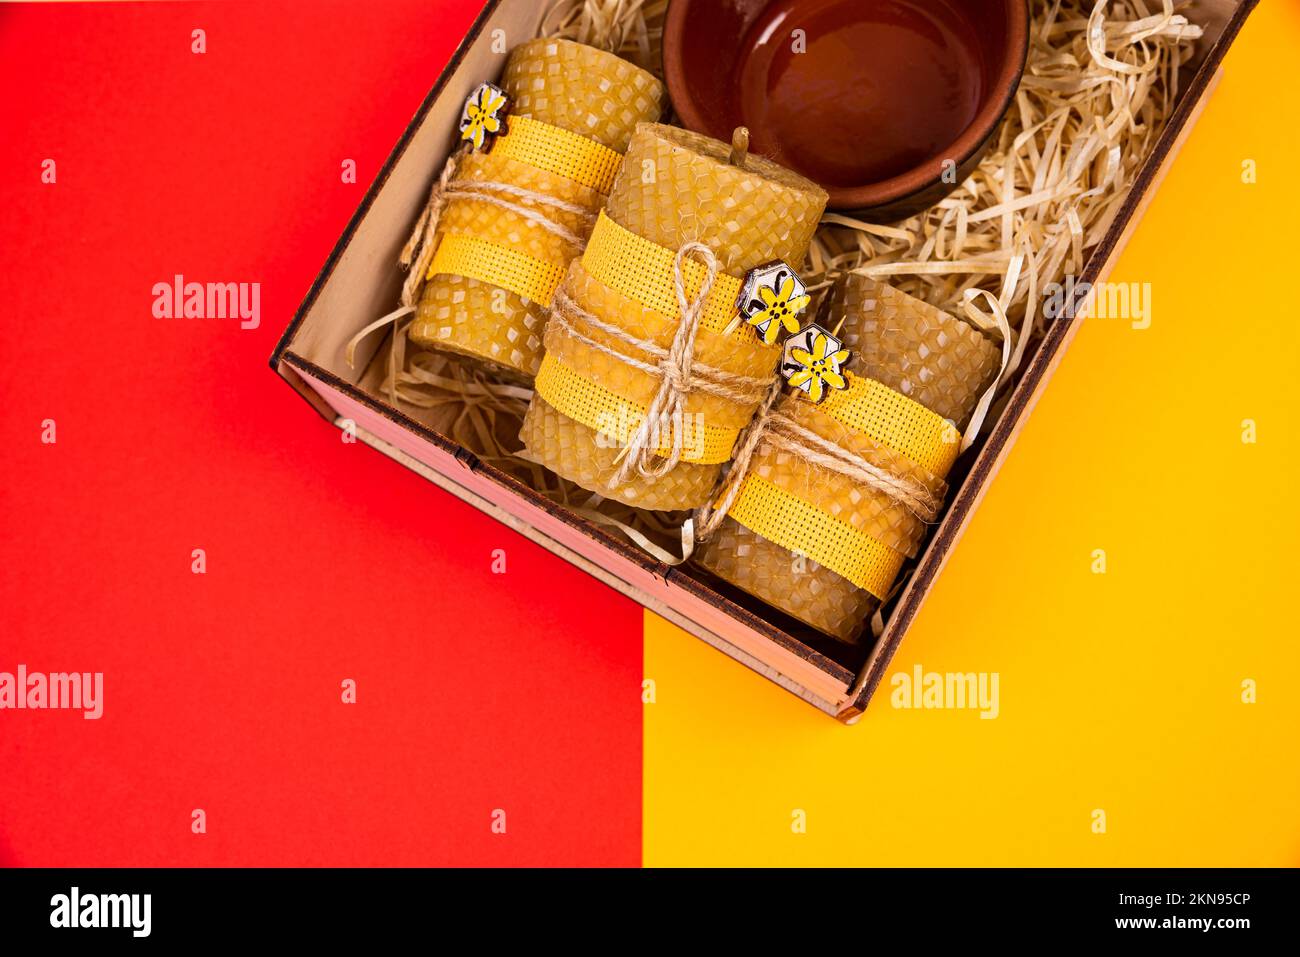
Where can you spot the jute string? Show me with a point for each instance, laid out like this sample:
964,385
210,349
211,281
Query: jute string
677,371
785,433
709,516
733,386
485,191
418,253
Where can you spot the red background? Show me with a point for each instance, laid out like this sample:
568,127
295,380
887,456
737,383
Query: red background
325,561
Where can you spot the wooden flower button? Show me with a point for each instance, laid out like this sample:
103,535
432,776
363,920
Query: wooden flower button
772,298
484,116
813,363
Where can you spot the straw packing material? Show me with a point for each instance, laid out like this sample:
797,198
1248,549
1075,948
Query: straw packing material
1102,79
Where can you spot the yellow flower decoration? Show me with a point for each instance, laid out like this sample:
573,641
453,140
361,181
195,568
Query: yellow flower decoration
482,115
820,368
771,298
781,308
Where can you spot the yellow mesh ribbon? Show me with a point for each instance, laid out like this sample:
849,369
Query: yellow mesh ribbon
559,151
643,271
578,397
891,419
794,524
463,255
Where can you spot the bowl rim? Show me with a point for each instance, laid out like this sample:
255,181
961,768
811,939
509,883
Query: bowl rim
971,141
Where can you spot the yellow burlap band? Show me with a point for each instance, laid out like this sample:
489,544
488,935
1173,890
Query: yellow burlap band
460,254
573,394
792,523
546,147
642,271
559,151
891,419
888,418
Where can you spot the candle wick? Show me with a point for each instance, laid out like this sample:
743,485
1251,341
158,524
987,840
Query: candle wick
739,147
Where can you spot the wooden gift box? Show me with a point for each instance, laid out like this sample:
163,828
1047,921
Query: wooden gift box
360,282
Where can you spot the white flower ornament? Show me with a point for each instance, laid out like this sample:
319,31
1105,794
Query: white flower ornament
484,116
814,363
771,299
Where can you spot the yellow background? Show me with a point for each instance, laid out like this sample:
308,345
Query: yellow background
1119,691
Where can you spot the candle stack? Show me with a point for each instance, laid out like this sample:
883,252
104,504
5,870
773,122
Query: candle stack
618,318
824,542
524,200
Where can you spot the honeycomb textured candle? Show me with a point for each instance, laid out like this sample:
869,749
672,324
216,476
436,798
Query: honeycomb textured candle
934,359
491,305
675,187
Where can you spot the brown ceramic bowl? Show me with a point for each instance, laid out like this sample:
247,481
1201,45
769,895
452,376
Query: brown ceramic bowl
873,99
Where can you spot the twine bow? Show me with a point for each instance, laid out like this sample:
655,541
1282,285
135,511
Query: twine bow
676,369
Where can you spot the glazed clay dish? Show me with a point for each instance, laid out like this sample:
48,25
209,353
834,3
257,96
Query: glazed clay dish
874,100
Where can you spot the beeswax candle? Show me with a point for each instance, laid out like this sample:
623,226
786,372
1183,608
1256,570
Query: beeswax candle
822,545
570,110
619,315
